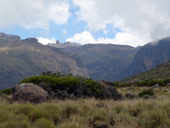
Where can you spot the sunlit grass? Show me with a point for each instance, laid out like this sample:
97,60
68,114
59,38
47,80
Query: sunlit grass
89,113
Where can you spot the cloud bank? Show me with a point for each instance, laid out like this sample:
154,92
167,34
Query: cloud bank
139,21
120,38
33,13
46,41
148,19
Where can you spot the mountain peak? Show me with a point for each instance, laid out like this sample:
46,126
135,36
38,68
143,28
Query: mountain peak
33,40
157,42
9,37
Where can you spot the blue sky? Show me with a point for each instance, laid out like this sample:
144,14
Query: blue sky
61,31
86,21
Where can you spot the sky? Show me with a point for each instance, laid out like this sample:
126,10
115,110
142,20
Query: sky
125,22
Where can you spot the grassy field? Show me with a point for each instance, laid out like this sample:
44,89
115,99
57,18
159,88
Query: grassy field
90,113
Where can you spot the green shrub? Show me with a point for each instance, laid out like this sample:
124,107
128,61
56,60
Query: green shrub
152,82
146,93
7,91
71,87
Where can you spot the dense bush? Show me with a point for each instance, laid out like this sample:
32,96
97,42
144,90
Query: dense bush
7,91
73,87
146,93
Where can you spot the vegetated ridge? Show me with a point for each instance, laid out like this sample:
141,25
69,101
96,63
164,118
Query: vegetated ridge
160,72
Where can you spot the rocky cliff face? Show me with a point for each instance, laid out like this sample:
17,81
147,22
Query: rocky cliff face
23,58
104,61
115,62
150,56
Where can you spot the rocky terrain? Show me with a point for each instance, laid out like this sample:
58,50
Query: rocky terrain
149,56
21,58
115,62
103,61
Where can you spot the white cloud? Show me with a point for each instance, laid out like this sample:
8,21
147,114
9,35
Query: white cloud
46,41
82,38
147,19
120,38
33,13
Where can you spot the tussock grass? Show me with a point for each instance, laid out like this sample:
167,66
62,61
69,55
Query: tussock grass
89,113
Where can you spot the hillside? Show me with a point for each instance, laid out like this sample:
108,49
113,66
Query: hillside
111,62
23,58
149,56
160,72
103,61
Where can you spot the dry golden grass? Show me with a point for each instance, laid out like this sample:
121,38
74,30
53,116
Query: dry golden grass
89,113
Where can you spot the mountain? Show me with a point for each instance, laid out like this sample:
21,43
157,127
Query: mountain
103,61
149,56
23,58
160,72
58,44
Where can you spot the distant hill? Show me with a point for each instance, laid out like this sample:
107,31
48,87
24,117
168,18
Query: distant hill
24,58
160,72
104,61
149,56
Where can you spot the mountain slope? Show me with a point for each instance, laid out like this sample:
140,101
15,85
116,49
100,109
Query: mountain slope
104,61
160,72
23,58
149,56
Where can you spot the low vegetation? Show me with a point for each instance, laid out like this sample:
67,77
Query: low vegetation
159,73
141,83
68,86
88,104
7,91
146,93
88,113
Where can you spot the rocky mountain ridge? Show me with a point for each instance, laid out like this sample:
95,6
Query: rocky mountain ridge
149,56
21,58
103,61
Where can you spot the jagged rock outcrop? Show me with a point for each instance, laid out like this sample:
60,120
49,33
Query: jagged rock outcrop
28,92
